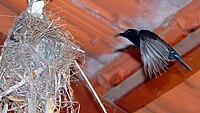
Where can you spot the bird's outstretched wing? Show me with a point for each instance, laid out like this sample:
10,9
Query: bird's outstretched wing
155,54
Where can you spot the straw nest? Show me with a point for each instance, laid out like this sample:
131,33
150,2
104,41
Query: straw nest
36,66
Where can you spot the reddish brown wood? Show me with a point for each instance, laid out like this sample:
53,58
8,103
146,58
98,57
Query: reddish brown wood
89,104
184,98
156,87
6,21
2,39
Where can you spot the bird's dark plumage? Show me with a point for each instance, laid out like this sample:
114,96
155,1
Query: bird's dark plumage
155,52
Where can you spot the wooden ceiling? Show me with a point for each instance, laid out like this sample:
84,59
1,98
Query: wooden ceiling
118,77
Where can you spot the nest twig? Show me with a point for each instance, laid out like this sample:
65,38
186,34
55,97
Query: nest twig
35,67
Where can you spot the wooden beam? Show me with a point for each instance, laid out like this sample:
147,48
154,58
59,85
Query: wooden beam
149,91
184,98
2,38
7,20
138,77
88,103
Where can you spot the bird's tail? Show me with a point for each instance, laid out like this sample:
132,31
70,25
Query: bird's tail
184,64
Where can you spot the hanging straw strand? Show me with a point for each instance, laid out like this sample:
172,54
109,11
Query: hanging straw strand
91,88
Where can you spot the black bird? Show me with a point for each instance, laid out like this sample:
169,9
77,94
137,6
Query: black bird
155,52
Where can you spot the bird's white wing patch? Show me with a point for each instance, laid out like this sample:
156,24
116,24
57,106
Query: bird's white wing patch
154,55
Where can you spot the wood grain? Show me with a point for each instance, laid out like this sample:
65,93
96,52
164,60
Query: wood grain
184,98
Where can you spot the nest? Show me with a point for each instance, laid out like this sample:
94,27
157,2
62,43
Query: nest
36,67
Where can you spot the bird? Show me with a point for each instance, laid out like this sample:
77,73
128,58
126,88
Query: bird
155,52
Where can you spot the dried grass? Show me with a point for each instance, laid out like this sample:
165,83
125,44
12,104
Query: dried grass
36,66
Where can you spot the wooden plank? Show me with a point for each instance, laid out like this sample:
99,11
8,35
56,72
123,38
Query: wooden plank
149,91
87,102
127,85
185,97
6,21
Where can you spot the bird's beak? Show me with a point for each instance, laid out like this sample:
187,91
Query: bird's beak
118,34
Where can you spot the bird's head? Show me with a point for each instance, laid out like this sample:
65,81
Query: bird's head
128,33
